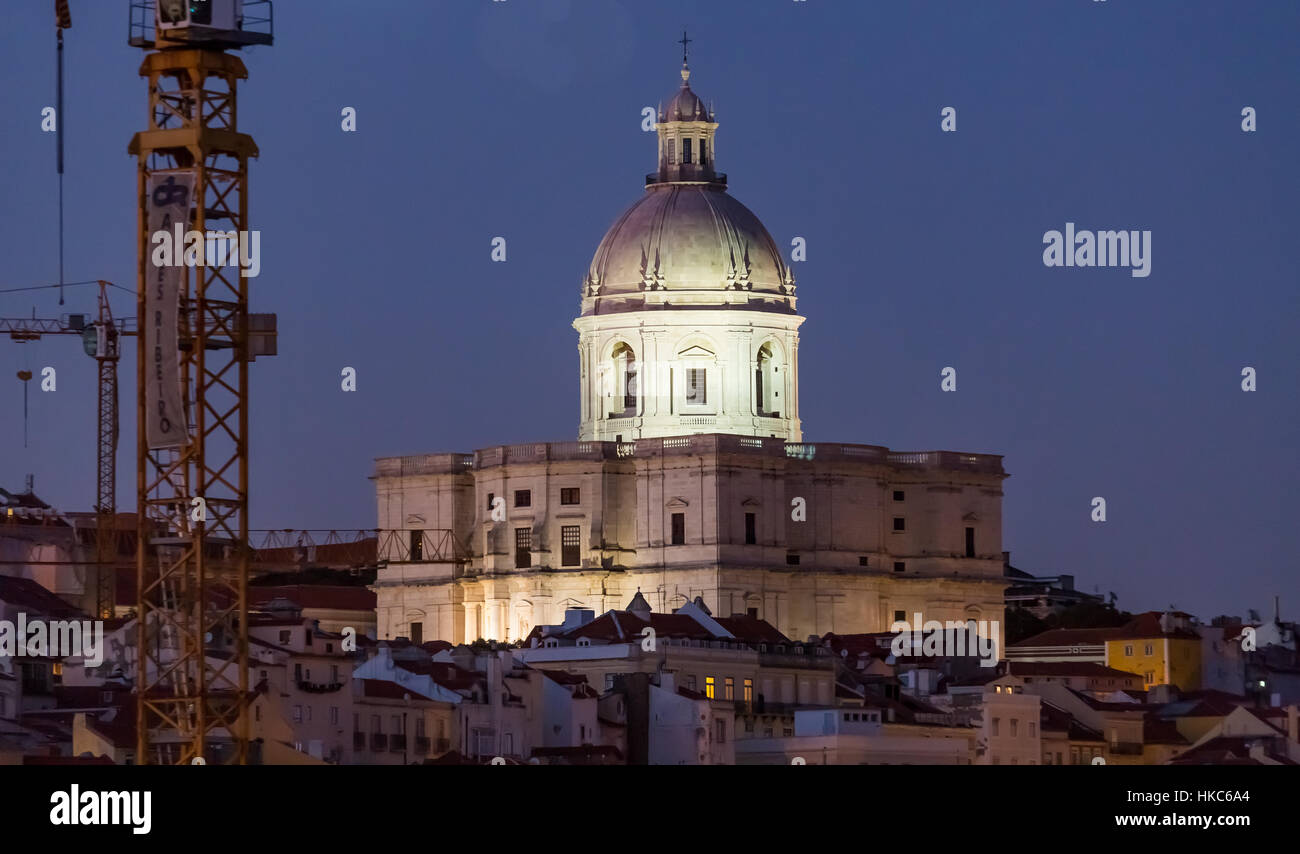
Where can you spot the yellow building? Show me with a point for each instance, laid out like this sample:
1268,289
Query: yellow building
1162,648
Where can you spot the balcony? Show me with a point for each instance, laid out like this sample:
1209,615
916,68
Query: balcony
319,687
378,741
358,741
397,743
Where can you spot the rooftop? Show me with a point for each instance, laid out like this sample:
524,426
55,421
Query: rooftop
703,443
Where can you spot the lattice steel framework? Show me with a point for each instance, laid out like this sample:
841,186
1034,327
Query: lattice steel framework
106,356
193,581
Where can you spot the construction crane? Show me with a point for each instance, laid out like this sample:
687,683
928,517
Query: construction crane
101,339
192,554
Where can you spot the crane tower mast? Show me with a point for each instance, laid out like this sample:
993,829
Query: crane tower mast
195,343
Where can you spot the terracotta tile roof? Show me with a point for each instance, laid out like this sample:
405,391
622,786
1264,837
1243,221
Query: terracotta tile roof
563,677
1069,637
1067,668
1158,731
1147,625
1224,750
444,673
23,594
383,689
751,629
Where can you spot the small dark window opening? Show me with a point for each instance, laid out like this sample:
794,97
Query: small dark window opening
898,495
686,150
899,566
523,498
679,529
491,498
570,495
417,633
570,549
970,542
899,523
753,612
417,545
900,617
792,559
751,533
523,548
862,560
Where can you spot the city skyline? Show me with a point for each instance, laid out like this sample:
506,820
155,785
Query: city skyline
1088,382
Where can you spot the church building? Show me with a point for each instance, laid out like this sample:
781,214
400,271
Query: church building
690,476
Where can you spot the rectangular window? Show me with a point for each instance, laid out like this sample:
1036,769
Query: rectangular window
696,386
376,725
898,495
900,523
862,560
690,683
729,688
900,617
334,673
417,633
970,542
899,566
570,495
748,688
398,729
996,721
492,497
419,727
334,715
679,529
1032,727
417,545
523,498
523,548
570,537
1015,724
1128,650
708,687
751,526
792,560
1148,649
722,731
686,150
284,636
297,714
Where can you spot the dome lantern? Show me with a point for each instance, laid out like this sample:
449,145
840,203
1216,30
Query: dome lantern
686,131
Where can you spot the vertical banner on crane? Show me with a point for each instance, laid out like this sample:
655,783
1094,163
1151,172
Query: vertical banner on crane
169,196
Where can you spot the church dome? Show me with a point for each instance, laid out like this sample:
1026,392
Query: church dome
694,243
686,106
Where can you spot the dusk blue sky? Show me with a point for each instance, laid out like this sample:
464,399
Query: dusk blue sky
522,119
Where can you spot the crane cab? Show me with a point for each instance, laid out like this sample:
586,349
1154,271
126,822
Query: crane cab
200,23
